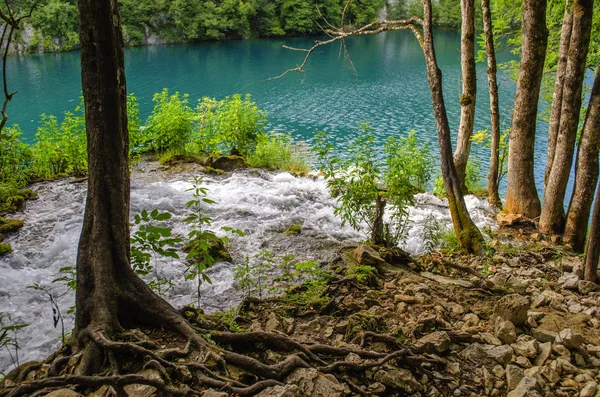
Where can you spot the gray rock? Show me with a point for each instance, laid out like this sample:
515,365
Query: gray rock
518,284
488,353
545,350
569,281
585,287
589,390
142,390
376,388
398,378
569,339
547,297
447,280
514,375
525,388
435,342
513,308
313,383
505,331
365,255
543,335
567,263
527,348
281,391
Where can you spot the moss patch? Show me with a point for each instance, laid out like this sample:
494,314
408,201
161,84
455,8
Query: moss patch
10,225
5,249
293,230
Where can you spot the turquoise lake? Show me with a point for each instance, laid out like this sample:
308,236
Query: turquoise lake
389,91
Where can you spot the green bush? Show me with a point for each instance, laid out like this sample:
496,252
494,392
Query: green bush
232,124
171,123
14,154
363,189
277,151
60,148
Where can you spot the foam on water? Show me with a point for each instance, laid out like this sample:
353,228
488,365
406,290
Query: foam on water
262,204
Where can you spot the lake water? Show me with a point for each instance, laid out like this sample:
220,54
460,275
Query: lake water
390,90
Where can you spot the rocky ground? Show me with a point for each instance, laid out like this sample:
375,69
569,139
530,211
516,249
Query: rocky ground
515,321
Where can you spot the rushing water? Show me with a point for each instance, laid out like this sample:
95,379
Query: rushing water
263,204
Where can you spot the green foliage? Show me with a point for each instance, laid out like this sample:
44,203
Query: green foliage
474,177
136,139
361,186
171,123
366,275
150,242
484,138
55,23
279,152
9,337
255,277
201,254
231,124
14,154
68,276
433,232
450,240
61,148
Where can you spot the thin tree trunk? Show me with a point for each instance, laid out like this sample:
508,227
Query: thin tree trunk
553,125
521,194
586,173
469,90
468,234
109,294
592,249
493,177
553,212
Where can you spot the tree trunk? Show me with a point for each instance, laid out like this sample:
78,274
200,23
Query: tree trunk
553,125
586,172
377,233
493,177
467,233
521,194
553,212
469,90
592,249
109,294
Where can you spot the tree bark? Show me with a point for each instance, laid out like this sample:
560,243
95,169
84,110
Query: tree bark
521,194
553,125
552,219
586,173
493,177
592,249
469,90
109,294
467,233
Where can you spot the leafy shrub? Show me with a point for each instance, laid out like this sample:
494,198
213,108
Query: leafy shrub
363,189
136,139
277,151
232,124
61,148
171,123
14,154
150,242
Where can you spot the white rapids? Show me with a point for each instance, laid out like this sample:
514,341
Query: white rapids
261,203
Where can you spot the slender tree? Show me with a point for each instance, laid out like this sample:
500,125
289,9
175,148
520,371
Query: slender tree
592,249
469,90
586,172
565,39
552,219
521,194
468,234
493,175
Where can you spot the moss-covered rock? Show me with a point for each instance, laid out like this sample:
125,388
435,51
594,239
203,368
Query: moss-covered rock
218,251
229,163
5,249
10,225
13,200
293,230
361,322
